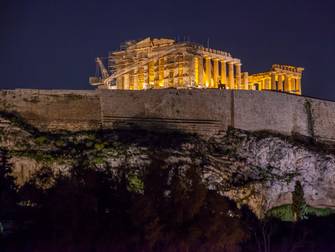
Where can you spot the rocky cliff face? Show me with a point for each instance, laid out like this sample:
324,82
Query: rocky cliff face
258,169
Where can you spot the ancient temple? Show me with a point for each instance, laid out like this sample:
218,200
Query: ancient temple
281,78
166,63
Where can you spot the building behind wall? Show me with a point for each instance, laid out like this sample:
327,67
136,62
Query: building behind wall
280,78
165,63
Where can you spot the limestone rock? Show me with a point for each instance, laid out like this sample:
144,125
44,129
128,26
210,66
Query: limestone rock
255,169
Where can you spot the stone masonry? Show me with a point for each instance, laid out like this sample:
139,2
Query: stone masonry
205,112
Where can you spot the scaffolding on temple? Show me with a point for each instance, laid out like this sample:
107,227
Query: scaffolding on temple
166,63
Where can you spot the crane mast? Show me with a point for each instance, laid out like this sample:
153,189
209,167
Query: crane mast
96,80
103,69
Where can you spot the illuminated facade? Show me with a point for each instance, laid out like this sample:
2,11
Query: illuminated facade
165,63
280,78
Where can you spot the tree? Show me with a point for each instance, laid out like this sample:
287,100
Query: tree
298,202
7,186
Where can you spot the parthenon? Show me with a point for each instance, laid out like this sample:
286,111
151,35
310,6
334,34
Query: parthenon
166,63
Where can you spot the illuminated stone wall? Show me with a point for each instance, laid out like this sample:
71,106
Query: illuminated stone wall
208,111
188,110
54,109
205,112
270,111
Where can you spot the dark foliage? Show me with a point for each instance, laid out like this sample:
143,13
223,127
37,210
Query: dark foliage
165,209
93,210
7,188
298,201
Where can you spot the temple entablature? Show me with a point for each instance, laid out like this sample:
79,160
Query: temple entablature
286,68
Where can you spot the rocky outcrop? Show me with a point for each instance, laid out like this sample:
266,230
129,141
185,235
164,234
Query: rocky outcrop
267,166
258,169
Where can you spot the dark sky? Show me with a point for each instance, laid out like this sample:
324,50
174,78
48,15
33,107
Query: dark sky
52,44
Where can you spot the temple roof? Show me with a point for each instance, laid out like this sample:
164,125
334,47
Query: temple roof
148,42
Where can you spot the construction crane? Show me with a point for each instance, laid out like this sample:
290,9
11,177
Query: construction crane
103,69
95,80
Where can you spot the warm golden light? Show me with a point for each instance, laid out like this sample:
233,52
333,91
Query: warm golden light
196,71
163,63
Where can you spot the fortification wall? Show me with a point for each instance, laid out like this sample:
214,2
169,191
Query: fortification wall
270,111
205,112
322,120
209,111
188,110
54,109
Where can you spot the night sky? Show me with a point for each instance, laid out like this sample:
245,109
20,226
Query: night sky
52,44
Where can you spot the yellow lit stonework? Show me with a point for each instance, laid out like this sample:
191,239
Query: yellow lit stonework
165,63
196,71
281,78
161,72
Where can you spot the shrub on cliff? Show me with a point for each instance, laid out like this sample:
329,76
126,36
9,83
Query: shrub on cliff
8,194
298,202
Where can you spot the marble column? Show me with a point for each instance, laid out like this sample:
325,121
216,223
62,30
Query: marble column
191,72
166,73
280,82
194,72
201,72
245,81
216,72
161,66
287,83
292,85
181,71
175,78
262,84
298,85
223,72
119,82
135,80
145,77
231,75
126,81
151,74
238,75
267,84
273,81
208,72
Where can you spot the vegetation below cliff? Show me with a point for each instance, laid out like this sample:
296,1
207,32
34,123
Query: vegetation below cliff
143,191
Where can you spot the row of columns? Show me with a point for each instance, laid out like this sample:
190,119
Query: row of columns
275,81
232,81
287,83
203,72
291,84
281,82
158,73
